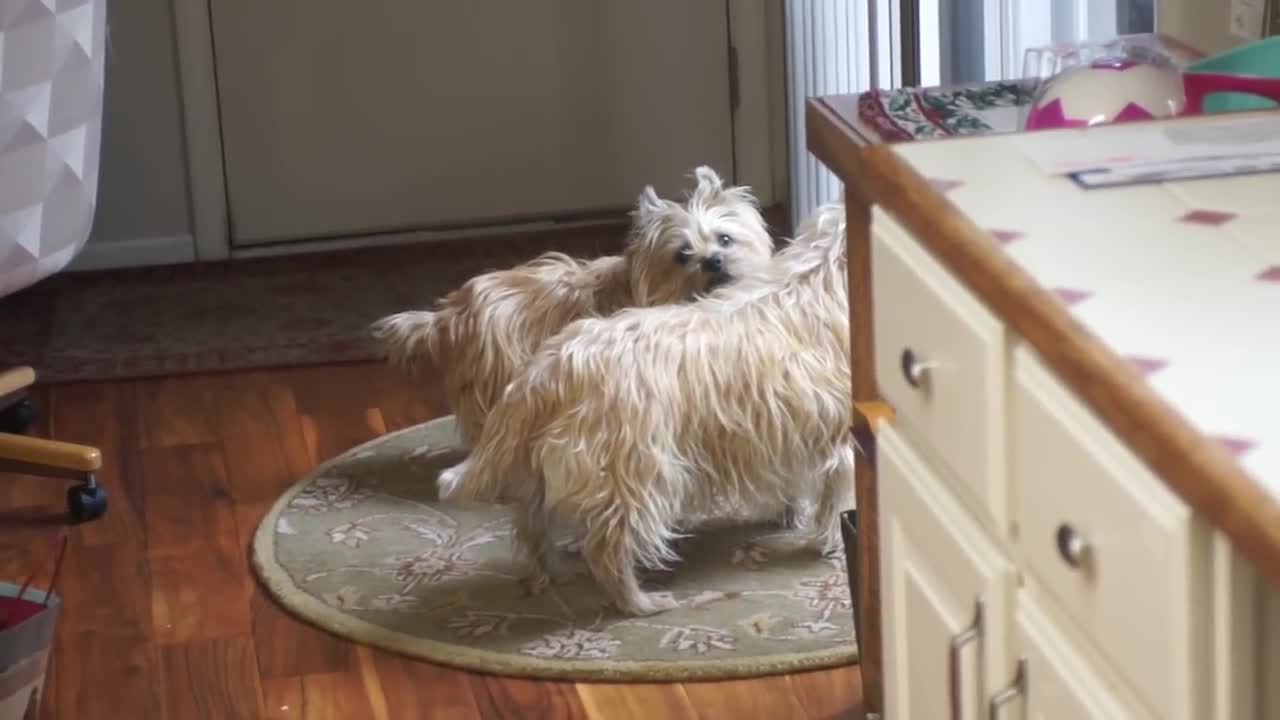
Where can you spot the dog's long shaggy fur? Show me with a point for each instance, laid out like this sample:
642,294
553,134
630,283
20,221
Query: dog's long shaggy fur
647,424
481,334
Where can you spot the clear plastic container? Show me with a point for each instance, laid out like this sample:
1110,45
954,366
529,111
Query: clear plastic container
1084,84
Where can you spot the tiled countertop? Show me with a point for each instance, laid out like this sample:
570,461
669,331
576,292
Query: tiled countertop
1182,278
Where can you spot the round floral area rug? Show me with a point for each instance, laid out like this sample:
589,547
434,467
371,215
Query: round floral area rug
363,548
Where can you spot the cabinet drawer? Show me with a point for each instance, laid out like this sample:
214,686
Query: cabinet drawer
1112,545
924,319
1060,684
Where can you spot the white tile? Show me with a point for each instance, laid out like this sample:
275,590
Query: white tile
1260,232
1243,194
1263,463
976,159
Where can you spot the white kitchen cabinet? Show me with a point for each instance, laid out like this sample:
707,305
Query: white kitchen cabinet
947,593
1089,389
1100,592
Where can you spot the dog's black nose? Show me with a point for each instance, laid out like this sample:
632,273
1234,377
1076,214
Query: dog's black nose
713,263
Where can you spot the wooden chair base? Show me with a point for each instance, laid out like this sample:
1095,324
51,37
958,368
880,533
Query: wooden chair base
16,379
48,458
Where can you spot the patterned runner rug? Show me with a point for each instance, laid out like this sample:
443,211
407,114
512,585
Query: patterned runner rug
362,548
310,309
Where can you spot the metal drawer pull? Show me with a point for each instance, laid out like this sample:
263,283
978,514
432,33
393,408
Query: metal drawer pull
1017,688
913,369
1072,546
966,636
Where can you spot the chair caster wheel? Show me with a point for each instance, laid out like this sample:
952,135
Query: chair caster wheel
86,502
17,417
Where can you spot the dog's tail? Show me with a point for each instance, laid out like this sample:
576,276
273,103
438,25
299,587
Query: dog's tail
409,338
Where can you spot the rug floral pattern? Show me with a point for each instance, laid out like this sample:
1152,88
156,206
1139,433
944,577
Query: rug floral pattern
363,548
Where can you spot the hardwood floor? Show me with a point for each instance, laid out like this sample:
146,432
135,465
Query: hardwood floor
163,617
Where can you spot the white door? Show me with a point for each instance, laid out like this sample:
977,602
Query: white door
937,567
343,117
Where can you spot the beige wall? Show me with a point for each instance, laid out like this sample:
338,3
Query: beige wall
1202,24
142,185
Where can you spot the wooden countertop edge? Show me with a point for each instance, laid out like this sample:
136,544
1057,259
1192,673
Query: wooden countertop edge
1197,468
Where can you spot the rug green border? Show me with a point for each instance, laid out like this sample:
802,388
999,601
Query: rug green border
307,608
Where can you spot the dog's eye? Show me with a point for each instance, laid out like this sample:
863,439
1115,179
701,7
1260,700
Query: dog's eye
684,254
724,240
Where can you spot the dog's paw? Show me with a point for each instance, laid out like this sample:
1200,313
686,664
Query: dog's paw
782,543
650,604
535,583
449,479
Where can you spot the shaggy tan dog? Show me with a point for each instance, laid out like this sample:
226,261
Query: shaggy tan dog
481,334
643,426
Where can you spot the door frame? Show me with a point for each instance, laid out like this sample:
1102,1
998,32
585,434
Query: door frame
759,126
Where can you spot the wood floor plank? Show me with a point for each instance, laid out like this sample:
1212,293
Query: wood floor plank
105,588
415,689
252,438
406,400
199,596
104,662
331,434
283,403
175,411
636,701
334,390
830,694
211,680
327,696
103,673
264,449
186,498
763,698
502,698
200,580
290,648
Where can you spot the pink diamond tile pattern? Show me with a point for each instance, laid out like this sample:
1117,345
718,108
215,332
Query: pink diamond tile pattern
1235,446
52,58
1070,296
1004,237
1147,365
944,185
1208,217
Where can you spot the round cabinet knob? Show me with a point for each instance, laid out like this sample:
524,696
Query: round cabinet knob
912,368
1072,545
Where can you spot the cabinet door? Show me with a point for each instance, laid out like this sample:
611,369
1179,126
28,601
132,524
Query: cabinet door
937,567
343,117
1059,684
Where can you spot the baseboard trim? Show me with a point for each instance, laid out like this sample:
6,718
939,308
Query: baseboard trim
134,252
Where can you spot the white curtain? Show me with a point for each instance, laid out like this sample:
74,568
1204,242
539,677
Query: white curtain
828,52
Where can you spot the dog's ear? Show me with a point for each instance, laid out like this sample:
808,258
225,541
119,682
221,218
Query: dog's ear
648,202
709,181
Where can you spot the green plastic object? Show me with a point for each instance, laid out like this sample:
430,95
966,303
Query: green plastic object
1260,58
